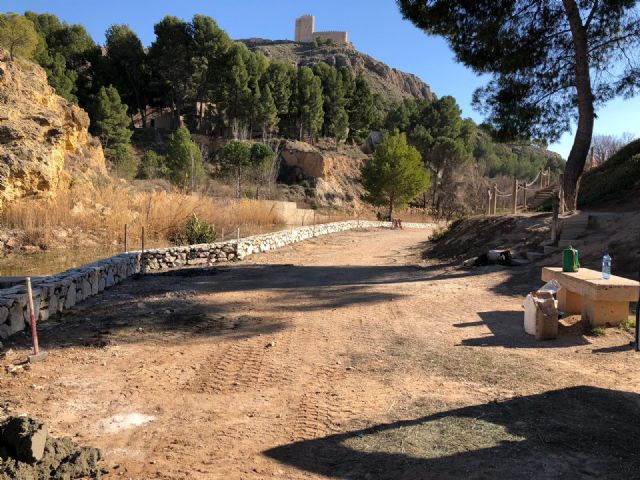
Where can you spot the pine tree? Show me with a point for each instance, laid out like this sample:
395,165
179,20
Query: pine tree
268,113
238,93
184,160
549,61
235,158
361,110
18,35
395,175
111,122
309,103
127,67
111,125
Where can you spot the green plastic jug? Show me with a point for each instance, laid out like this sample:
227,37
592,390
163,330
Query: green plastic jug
570,262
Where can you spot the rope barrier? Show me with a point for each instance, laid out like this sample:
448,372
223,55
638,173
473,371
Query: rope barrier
534,180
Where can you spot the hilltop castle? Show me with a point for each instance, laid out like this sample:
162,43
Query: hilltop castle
305,32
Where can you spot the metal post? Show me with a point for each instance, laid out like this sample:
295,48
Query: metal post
494,206
514,195
32,314
126,248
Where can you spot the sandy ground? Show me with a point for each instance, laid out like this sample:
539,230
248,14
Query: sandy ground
347,356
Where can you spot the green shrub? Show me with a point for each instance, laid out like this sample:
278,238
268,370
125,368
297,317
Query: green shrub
196,232
628,325
597,332
615,177
123,163
152,166
199,232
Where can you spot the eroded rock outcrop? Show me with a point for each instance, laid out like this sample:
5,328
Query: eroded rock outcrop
333,177
44,140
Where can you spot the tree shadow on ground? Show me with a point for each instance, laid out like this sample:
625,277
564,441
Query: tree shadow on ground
170,305
577,432
507,330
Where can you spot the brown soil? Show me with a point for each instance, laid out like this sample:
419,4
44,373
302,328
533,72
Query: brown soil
344,357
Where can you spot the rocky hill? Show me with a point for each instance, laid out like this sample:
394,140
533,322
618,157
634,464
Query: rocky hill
44,142
392,84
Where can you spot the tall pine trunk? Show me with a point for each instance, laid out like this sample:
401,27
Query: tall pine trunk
584,132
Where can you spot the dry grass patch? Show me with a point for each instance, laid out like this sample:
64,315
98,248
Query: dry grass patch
103,212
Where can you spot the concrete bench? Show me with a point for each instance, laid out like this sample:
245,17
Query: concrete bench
599,301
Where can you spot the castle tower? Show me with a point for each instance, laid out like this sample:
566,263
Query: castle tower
305,26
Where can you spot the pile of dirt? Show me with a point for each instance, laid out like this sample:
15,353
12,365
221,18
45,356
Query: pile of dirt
27,452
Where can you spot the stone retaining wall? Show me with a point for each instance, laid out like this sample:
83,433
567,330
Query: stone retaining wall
60,292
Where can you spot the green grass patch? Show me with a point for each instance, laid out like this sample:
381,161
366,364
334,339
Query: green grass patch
597,332
628,325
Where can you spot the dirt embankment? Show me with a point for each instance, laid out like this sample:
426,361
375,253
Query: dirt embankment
476,235
615,231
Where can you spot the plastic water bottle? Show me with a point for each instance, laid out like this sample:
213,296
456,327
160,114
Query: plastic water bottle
606,266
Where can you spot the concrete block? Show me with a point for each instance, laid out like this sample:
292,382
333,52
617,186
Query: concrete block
602,313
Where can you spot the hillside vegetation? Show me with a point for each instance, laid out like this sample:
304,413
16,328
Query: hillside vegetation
614,179
390,84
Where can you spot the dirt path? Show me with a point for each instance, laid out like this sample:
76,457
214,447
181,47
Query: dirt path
343,357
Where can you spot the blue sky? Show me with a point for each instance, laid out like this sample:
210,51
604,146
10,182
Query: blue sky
375,27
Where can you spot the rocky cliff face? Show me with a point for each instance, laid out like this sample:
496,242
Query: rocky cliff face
44,141
333,178
391,83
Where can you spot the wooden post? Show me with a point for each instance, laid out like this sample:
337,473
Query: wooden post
494,206
514,196
554,221
489,202
126,248
238,234
561,194
541,178
142,241
524,197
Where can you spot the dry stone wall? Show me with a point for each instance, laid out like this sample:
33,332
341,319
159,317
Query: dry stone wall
58,293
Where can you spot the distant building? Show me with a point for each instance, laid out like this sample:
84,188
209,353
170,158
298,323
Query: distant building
305,32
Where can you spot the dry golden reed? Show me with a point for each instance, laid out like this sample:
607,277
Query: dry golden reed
103,211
